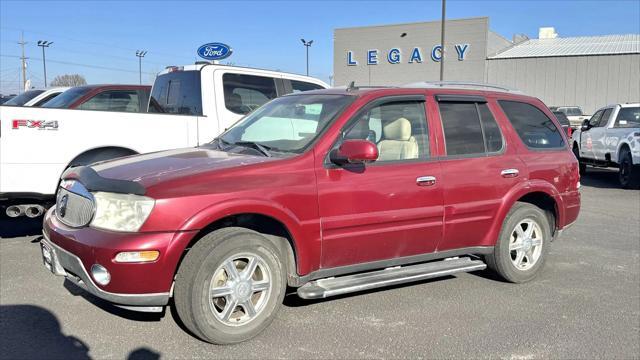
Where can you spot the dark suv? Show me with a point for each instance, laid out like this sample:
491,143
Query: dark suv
330,192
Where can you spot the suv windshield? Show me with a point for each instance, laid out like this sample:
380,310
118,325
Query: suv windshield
64,100
287,124
23,98
177,92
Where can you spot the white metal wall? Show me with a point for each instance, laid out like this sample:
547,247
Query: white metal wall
587,81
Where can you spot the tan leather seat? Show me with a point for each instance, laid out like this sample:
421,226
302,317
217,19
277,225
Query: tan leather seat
397,143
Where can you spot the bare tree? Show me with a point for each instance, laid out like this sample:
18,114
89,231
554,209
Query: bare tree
69,80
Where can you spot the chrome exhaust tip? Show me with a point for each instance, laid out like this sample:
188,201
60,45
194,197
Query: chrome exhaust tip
34,211
14,211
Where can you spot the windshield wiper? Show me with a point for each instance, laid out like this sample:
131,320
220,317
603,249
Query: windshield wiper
263,149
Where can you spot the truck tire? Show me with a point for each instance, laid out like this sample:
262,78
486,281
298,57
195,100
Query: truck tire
581,166
522,245
230,285
628,174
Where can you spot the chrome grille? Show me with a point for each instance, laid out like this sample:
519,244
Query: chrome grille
74,204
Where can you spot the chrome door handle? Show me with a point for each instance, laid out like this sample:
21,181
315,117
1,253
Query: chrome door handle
510,173
426,180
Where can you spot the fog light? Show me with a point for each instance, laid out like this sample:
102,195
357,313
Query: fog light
100,274
137,256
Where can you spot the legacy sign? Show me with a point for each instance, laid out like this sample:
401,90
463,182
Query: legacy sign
394,55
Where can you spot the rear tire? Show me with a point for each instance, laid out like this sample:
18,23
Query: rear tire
582,166
522,245
628,174
230,286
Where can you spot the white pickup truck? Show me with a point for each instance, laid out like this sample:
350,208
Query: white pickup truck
611,138
573,113
188,106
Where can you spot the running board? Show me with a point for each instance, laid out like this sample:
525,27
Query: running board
333,286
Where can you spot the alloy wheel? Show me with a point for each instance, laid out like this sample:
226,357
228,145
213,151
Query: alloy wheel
525,244
239,289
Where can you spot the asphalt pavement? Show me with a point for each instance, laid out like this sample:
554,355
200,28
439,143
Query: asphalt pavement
584,304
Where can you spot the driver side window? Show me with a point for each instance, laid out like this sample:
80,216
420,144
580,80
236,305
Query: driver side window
399,130
595,119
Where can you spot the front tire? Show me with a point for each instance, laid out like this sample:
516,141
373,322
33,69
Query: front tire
628,174
523,243
230,286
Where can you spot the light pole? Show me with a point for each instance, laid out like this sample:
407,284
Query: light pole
43,44
307,45
444,6
140,54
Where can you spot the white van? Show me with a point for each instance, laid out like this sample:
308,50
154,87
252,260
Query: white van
189,106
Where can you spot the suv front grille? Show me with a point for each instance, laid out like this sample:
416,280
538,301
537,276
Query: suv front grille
74,204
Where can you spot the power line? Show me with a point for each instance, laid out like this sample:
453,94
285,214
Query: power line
88,42
83,65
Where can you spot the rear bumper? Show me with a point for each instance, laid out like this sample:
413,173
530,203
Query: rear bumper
571,203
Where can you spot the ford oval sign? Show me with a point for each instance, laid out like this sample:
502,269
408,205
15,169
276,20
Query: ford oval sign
214,51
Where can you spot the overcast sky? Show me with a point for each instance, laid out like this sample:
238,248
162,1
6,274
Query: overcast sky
99,39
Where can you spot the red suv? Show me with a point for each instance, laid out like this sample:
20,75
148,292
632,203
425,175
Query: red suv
329,191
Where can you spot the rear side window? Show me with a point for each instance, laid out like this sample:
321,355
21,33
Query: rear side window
245,93
628,117
469,128
535,129
114,100
299,86
45,99
177,92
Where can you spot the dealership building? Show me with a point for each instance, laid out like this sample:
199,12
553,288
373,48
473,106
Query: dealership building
589,71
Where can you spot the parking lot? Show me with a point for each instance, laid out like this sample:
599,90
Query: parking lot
585,304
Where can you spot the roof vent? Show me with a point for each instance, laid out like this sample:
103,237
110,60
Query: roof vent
547,33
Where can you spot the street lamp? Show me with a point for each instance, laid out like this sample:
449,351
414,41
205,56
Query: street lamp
140,54
43,44
307,45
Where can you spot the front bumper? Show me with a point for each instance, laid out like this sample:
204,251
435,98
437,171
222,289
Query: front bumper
75,250
63,263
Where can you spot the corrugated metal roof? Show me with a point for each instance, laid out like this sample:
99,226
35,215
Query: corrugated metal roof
573,46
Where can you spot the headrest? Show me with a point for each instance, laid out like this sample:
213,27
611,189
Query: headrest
397,130
234,100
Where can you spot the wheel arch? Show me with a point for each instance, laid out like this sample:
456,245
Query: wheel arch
539,193
278,224
93,154
621,147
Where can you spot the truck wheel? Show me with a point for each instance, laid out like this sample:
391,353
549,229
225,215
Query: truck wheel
230,286
522,245
628,174
582,166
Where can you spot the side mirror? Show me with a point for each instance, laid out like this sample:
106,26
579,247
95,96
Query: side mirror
355,152
585,125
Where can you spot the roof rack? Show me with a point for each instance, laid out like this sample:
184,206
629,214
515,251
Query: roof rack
461,85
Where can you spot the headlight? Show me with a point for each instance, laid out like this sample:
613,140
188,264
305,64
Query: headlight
121,212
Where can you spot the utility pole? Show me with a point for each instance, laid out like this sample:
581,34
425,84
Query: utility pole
307,45
444,5
140,54
43,44
24,63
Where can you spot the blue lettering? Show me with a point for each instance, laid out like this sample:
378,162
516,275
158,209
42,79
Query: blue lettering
436,53
415,56
461,50
350,60
372,57
394,56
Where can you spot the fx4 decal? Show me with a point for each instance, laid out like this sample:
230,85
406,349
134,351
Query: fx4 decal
35,124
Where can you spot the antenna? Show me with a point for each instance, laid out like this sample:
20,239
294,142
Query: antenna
352,86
